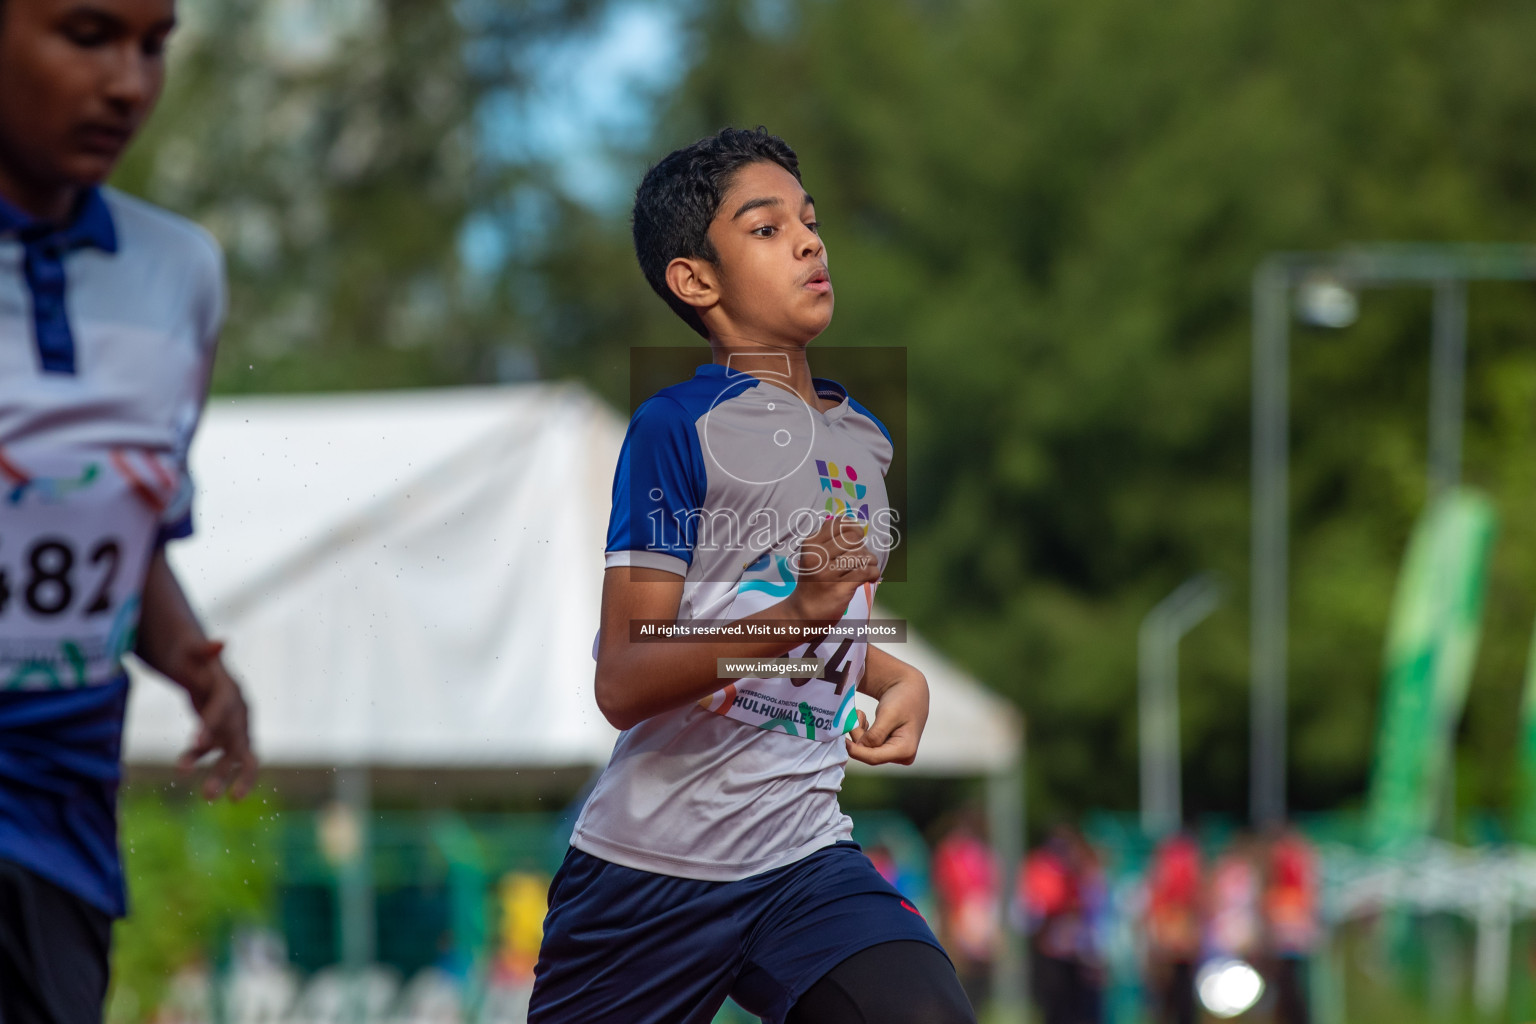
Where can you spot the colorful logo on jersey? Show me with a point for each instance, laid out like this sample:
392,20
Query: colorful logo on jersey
48,490
845,493
146,473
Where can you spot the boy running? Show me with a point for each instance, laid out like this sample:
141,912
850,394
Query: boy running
712,859
109,312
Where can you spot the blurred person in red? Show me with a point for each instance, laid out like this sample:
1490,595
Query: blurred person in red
884,861
1290,915
1234,924
1062,893
1174,912
965,879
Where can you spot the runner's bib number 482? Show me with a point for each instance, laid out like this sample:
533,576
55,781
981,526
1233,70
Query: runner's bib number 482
76,533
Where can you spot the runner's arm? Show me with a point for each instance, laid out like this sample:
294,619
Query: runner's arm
172,642
902,693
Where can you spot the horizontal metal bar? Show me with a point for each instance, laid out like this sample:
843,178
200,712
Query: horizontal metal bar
1411,262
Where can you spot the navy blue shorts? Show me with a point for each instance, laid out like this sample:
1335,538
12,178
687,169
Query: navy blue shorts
631,947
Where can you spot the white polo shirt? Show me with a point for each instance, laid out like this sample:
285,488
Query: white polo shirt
107,335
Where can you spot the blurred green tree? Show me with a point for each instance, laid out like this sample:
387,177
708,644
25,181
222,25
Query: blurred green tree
195,872
342,152
1057,205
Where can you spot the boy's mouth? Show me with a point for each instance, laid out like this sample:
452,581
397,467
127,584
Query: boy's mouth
102,139
818,280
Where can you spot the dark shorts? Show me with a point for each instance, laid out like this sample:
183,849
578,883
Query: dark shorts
53,952
630,947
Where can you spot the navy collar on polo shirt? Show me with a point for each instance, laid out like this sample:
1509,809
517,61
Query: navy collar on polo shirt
92,226
45,245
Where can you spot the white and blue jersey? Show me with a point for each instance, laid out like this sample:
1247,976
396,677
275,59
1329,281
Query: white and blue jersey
718,481
107,335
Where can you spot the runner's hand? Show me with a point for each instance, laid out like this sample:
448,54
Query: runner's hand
225,727
900,716
834,562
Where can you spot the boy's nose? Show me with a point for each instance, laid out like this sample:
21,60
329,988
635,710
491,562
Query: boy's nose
130,81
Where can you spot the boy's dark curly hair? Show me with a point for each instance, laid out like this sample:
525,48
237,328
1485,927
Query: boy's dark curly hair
679,197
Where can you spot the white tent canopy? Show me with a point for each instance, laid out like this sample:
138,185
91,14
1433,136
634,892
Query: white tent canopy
411,580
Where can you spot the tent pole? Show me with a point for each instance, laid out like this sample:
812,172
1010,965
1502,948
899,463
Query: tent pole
353,793
1005,823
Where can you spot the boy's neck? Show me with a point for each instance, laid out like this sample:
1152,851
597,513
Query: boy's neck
786,367
50,204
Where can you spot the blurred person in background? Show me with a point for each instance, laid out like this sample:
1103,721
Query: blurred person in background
884,861
1233,926
902,878
1173,927
1063,897
1291,922
523,900
110,310
966,882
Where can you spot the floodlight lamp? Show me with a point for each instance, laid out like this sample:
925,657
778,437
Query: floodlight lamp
1323,300
338,833
1228,987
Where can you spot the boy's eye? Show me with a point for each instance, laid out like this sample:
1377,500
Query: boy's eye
764,231
814,225
88,31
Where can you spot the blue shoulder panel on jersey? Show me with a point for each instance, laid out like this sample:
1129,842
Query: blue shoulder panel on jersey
711,384
856,407
661,476
832,389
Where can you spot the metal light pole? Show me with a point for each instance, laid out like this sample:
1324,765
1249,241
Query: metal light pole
1445,268
1005,818
351,848
1158,692
1271,539
1447,376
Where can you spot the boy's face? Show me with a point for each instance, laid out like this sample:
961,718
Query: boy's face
772,266
77,79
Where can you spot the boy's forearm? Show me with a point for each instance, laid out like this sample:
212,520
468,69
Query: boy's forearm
639,679
172,641
882,670
168,628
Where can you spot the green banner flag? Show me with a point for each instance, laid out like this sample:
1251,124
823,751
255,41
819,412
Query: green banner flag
1431,648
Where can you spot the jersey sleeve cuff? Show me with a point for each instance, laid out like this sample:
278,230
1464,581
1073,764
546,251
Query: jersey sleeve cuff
177,529
646,560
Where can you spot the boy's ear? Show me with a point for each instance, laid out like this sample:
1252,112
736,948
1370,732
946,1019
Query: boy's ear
694,281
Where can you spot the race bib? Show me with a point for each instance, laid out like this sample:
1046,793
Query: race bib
818,708
76,534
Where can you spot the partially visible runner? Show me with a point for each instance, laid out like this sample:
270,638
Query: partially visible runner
712,859
1063,895
1290,913
1174,916
109,313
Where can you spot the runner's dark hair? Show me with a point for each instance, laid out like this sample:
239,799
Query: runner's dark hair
679,197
